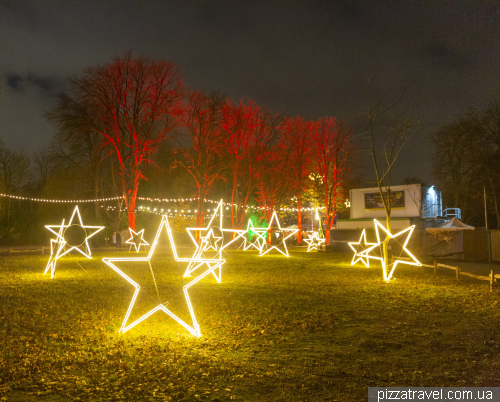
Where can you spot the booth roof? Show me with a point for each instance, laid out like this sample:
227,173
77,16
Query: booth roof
452,224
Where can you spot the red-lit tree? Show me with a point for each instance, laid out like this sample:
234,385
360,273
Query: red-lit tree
202,120
332,149
298,135
250,130
275,184
133,103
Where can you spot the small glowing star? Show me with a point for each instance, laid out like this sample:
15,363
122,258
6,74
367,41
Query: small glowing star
314,242
137,239
291,232
259,239
363,245
210,241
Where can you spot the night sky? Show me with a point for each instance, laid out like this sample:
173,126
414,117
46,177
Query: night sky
309,58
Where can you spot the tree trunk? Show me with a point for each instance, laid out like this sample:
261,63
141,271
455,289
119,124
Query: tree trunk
385,244
233,207
329,223
495,202
299,219
131,219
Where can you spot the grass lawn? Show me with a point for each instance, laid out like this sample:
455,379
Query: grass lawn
307,328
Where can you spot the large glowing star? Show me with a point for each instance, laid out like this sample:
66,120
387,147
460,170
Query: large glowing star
137,239
212,265
210,241
314,242
73,236
359,247
286,234
259,240
389,236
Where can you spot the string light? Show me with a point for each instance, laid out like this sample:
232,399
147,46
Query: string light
148,199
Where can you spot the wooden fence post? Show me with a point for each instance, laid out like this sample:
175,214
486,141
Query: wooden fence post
43,248
491,280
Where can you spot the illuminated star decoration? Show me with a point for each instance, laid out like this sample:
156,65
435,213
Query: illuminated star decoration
282,230
137,239
211,241
194,328
259,240
347,204
59,244
314,242
208,241
362,243
62,246
408,231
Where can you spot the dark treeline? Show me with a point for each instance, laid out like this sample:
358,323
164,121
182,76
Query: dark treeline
467,162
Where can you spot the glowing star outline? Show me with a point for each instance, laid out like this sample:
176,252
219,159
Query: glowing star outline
61,242
362,242
133,239
203,246
259,241
314,241
292,232
378,225
211,240
195,328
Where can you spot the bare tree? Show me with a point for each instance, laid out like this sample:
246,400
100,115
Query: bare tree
203,160
333,149
389,126
134,105
251,129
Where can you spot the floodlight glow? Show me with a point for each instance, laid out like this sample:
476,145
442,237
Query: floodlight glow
62,243
212,266
210,241
291,233
362,243
137,239
409,230
314,242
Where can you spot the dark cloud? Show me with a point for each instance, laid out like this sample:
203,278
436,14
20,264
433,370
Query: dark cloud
14,81
46,85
